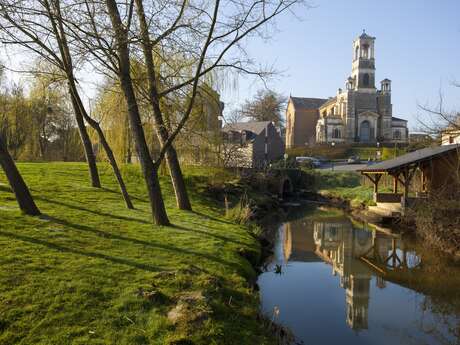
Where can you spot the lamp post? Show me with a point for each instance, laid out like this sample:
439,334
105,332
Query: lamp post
378,151
332,161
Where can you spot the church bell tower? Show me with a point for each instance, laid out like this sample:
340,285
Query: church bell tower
363,66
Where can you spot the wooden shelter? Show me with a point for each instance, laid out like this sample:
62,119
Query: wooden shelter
439,167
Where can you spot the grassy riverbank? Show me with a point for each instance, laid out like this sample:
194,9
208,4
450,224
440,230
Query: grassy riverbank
343,185
92,272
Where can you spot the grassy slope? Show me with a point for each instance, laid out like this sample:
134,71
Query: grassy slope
73,276
344,185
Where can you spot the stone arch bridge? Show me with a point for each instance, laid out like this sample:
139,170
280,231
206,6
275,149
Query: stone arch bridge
285,182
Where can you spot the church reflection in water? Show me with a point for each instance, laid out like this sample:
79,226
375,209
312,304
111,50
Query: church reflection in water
335,241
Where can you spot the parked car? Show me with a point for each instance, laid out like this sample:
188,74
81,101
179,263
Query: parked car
354,160
308,161
323,160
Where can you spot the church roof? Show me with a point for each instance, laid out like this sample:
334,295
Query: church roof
255,127
398,119
364,35
307,103
330,101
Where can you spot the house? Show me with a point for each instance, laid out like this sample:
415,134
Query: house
420,138
251,144
360,113
451,135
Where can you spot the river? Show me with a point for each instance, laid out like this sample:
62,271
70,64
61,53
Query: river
334,281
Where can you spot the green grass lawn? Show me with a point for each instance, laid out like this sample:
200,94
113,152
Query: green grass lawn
344,185
89,271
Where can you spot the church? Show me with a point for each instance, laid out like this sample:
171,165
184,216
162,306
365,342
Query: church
360,113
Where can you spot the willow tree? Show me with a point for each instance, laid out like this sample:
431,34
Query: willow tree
112,112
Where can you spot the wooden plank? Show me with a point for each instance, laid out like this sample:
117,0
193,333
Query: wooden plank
375,267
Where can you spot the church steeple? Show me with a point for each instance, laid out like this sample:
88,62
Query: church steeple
363,66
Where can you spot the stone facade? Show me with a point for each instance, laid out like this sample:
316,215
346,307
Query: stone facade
252,144
360,113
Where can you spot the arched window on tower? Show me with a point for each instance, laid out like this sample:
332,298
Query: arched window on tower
365,50
357,53
366,79
336,133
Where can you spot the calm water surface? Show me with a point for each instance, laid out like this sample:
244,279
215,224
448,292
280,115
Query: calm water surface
337,282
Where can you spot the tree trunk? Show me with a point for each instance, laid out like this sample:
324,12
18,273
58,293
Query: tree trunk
182,199
148,168
88,148
23,196
78,106
129,153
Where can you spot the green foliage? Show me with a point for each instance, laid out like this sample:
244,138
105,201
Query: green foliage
39,125
343,151
327,151
111,111
392,152
241,213
343,185
92,272
331,179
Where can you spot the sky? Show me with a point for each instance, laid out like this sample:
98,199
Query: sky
417,46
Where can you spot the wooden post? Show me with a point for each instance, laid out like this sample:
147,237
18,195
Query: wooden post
406,182
395,184
423,178
376,183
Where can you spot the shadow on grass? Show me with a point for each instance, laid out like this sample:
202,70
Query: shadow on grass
167,247
5,188
98,213
212,218
210,234
114,191
64,249
103,214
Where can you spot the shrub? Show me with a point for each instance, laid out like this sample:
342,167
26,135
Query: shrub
438,220
241,213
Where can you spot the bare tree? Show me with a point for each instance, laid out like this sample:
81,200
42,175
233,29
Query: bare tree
207,37
122,67
40,29
267,105
436,120
19,187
